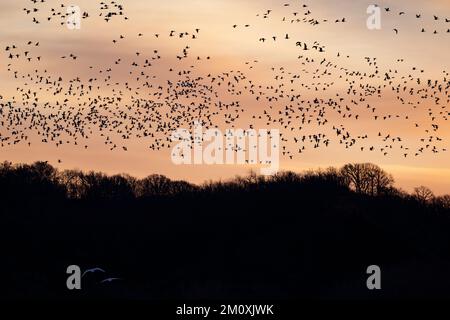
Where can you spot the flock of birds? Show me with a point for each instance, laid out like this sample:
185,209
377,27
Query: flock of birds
420,16
314,105
441,24
61,12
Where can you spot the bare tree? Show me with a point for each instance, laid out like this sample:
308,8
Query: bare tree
423,194
153,185
442,201
366,178
73,180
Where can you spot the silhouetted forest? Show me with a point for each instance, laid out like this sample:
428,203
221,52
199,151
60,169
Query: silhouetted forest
289,236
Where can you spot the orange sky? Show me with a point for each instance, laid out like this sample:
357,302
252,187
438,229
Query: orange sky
229,49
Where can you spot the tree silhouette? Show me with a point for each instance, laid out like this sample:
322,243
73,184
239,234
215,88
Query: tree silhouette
423,194
366,178
443,201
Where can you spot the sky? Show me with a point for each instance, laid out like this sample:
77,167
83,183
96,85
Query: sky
236,49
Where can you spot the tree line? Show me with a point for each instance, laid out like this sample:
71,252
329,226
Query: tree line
40,179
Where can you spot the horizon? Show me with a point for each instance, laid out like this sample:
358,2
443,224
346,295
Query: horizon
248,173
